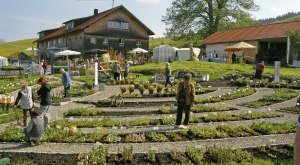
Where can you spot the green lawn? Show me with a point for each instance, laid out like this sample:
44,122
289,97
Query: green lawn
215,70
9,48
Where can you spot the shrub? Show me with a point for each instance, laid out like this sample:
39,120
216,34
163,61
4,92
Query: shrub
228,156
140,121
131,89
196,154
151,89
97,156
123,89
159,88
135,138
141,89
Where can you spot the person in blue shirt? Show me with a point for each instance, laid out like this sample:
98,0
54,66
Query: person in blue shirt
66,80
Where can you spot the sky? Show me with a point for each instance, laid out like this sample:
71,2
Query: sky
21,19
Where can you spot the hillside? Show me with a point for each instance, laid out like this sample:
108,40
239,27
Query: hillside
8,48
179,43
288,17
296,18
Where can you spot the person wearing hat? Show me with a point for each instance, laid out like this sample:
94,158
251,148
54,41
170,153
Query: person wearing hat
116,70
35,129
66,80
168,73
185,98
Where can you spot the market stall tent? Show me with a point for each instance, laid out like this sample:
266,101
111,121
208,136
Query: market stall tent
3,61
184,53
164,53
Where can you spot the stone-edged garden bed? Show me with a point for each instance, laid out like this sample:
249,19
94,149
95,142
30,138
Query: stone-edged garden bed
279,96
97,112
234,94
59,134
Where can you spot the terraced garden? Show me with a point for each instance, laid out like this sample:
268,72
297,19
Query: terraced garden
89,130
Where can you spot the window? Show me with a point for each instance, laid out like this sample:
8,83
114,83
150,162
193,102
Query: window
54,42
121,41
93,40
69,26
118,25
105,42
139,43
59,41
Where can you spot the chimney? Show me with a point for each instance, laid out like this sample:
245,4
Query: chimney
95,11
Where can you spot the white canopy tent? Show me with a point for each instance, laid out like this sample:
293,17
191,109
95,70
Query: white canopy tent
67,53
3,61
184,53
164,53
139,50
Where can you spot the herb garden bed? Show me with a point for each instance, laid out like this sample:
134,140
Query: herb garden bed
59,134
165,120
235,94
280,95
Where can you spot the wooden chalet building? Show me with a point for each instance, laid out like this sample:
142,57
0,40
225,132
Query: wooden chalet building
271,42
116,28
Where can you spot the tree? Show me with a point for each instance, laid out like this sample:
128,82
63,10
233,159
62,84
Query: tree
207,16
295,45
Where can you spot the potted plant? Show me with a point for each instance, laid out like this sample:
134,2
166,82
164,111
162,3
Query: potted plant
136,85
146,85
122,82
151,89
123,89
159,88
118,82
131,82
141,89
167,90
126,81
131,89
112,82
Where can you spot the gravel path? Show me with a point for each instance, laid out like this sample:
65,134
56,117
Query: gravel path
243,142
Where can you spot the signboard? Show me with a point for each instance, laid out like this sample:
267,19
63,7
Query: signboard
277,71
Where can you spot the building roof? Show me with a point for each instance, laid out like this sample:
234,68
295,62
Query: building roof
15,56
268,31
89,21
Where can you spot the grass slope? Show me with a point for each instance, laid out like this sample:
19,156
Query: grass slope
9,48
215,70
179,43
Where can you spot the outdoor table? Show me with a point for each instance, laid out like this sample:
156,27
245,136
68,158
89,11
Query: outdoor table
6,102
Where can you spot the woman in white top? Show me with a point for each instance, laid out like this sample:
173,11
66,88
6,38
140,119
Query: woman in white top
26,98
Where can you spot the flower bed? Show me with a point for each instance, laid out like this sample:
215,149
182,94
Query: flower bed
280,95
193,155
235,94
60,134
166,120
83,112
10,115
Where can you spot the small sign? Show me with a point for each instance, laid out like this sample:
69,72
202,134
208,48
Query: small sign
277,71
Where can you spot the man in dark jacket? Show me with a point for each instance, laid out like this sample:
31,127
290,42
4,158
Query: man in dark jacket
185,98
35,129
46,99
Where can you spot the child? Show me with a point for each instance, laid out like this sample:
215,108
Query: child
26,98
35,129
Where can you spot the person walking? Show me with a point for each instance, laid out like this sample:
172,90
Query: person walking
168,73
46,99
45,66
26,99
66,80
185,98
116,70
35,129
258,73
126,71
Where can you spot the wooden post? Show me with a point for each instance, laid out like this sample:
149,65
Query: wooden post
288,49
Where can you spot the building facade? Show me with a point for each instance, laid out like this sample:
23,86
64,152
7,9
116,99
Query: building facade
116,29
271,41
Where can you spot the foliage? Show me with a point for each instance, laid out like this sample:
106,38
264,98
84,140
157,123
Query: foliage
295,44
183,42
208,17
97,156
206,108
280,95
156,137
235,94
135,138
274,128
229,117
10,116
83,112
196,154
12,134
227,156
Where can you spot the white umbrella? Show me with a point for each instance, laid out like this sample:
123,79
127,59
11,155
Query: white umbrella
67,53
139,50
239,47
